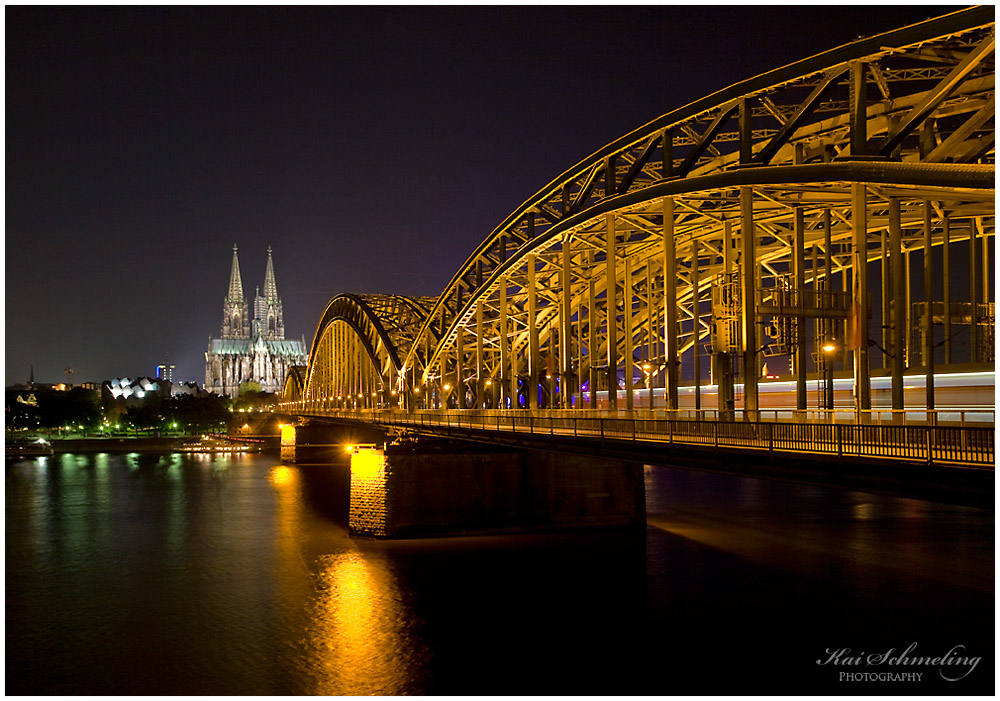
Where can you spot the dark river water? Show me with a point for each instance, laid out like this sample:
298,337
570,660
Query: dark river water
171,574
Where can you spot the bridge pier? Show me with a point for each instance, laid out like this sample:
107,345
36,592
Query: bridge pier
446,488
439,487
322,442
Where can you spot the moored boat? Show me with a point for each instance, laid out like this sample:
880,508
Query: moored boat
32,447
208,444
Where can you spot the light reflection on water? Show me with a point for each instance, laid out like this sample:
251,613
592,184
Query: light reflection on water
186,574
355,639
357,627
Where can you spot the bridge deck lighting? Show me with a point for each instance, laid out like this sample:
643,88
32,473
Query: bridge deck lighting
829,348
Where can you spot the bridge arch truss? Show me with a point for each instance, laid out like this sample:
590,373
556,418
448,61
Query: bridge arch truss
795,219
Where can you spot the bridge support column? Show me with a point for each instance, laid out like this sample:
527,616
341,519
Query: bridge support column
565,328
859,224
480,359
928,307
534,361
748,275
946,288
696,321
629,337
799,260
722,370
444,490
459,384
828,395
672,372
611,276
974,334
592,340
503,379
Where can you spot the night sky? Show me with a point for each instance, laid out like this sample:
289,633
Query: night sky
372,148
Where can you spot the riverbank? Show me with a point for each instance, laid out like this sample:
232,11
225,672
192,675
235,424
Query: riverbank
142,444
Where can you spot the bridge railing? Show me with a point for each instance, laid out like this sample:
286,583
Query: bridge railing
967,445
969,416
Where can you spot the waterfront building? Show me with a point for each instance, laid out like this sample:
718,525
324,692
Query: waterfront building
127,391
251,349
165,371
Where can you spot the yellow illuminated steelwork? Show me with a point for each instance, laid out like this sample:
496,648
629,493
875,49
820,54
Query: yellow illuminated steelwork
287,435
836,186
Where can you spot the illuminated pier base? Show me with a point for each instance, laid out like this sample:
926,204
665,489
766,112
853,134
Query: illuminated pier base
437,487
420,491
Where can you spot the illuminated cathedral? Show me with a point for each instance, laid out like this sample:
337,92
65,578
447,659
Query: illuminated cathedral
251,349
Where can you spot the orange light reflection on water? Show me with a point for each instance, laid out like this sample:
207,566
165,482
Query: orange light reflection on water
358,629
281,476
357,640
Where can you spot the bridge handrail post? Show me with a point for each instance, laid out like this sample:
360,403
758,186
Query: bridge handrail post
929,444
715,433
839,433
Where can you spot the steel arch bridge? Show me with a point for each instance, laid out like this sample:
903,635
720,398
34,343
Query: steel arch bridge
816,218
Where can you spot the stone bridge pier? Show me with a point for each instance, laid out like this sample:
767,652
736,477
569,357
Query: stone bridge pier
435,487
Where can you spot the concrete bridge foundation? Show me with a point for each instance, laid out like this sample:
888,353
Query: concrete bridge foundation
419,491
434,487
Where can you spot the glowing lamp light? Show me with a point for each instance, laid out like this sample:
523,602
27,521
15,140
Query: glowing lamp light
366,465
447,387
829,348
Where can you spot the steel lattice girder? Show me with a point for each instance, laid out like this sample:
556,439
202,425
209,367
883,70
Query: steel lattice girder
380,326
909,113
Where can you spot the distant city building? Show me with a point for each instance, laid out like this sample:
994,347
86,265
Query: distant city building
165,372
133,391
251,349
184,388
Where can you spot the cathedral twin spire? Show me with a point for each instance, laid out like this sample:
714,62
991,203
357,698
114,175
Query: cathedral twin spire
267,319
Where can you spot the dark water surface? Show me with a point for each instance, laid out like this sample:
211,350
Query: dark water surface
171,574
